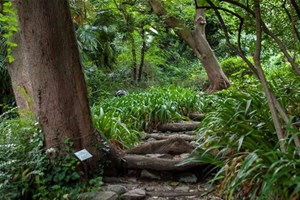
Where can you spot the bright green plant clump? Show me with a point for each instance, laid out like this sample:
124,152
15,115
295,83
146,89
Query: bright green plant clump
21,161
27,171
235,68
121,118
238,136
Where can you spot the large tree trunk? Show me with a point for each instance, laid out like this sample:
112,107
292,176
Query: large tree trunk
49,57
197,41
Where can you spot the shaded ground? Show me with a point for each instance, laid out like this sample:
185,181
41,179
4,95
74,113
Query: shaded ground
163,190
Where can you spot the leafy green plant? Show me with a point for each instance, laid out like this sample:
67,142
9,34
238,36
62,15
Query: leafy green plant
8,23
121,118
22,161
27,171
235,68
238,136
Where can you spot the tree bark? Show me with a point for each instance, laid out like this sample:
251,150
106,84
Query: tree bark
169,146
49,55
143,51
1,6
296,7
134,61
159,164
19,75
197,41
161,136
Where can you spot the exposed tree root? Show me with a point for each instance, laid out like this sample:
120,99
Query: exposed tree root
178,127
161,136
170,146
159,164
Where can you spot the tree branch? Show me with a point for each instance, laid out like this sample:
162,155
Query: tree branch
173,22
212,6
295,32
226,34
256,57
280,44
296,7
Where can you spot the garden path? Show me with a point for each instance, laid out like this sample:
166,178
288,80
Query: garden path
152,170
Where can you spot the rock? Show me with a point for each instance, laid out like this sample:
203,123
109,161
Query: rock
119,189
166,187
150,189
86,195
185,155
120,93
105,195
135,194
182,189
151,139
188,178
174,183
149,175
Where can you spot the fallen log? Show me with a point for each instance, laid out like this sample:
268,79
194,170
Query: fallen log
172,146
159,164
167,136
178,127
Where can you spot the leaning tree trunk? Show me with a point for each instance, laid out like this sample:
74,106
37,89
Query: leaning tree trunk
197,41
48,52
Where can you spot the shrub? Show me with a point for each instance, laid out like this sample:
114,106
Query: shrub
235,68
22,162
29,172
238,136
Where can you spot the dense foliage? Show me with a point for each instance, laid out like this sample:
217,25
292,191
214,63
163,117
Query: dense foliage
123,118
8,26
27,171
238,136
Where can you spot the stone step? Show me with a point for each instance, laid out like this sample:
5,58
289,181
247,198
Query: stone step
136,188
178,126
164,136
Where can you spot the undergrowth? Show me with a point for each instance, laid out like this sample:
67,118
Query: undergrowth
124,118
27,171
238,137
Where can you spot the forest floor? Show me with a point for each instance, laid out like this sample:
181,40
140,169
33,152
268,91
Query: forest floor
152,170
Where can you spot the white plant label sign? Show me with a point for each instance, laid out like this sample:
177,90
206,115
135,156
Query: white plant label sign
83,155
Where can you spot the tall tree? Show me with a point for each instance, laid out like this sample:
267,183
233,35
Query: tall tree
197,41
49,55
